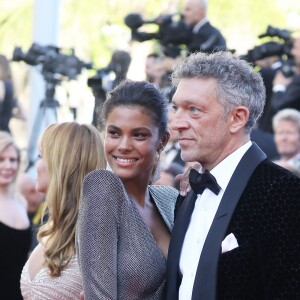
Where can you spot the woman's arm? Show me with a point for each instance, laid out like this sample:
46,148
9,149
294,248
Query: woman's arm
97,235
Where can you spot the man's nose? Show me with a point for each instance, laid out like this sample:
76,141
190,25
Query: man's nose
179,121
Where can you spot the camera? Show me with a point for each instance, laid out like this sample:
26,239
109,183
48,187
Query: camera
108,77
103,79
172,31
282,49
55,65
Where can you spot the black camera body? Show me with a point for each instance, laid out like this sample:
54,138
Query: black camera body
55,65
281,49
99,82
172,32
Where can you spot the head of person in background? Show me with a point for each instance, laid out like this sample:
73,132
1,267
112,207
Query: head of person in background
120,62
286,126
27,187
204,36
154,68
68,152
10,161
168,175
194,11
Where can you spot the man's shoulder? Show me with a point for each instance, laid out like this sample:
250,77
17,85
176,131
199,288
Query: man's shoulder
273,169
268,174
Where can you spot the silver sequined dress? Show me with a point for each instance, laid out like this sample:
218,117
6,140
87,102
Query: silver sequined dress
118,256
44,287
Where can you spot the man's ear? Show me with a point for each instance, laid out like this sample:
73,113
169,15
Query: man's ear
163,142
239,118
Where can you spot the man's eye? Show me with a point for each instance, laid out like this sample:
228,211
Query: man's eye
194,109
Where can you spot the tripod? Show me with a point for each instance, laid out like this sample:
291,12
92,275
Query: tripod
46,115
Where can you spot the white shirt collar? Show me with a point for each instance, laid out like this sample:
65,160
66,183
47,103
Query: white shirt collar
224,170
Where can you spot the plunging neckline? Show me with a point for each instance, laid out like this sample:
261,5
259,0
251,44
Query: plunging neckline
145,225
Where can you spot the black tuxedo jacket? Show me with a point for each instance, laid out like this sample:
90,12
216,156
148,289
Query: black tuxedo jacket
260,206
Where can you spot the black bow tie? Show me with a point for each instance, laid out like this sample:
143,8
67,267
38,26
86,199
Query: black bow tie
199,182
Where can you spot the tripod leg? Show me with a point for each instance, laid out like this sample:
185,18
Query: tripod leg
44,117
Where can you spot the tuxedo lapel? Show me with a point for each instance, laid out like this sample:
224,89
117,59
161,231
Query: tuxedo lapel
180,227
205,285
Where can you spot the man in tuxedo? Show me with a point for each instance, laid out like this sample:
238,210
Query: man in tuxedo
205,37
236,234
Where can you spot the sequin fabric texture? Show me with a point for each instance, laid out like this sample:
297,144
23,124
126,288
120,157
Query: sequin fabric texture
118,255
44,287
266,224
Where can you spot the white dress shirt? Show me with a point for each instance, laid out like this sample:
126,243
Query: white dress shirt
206,206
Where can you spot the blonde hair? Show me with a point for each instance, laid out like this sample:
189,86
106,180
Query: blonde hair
70,151
6,140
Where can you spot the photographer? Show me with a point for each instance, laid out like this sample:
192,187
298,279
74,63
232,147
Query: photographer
205,37
101,83
286,91
192,32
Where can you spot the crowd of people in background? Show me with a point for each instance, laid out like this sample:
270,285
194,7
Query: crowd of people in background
57,222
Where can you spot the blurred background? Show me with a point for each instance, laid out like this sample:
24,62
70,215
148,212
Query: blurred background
90,31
